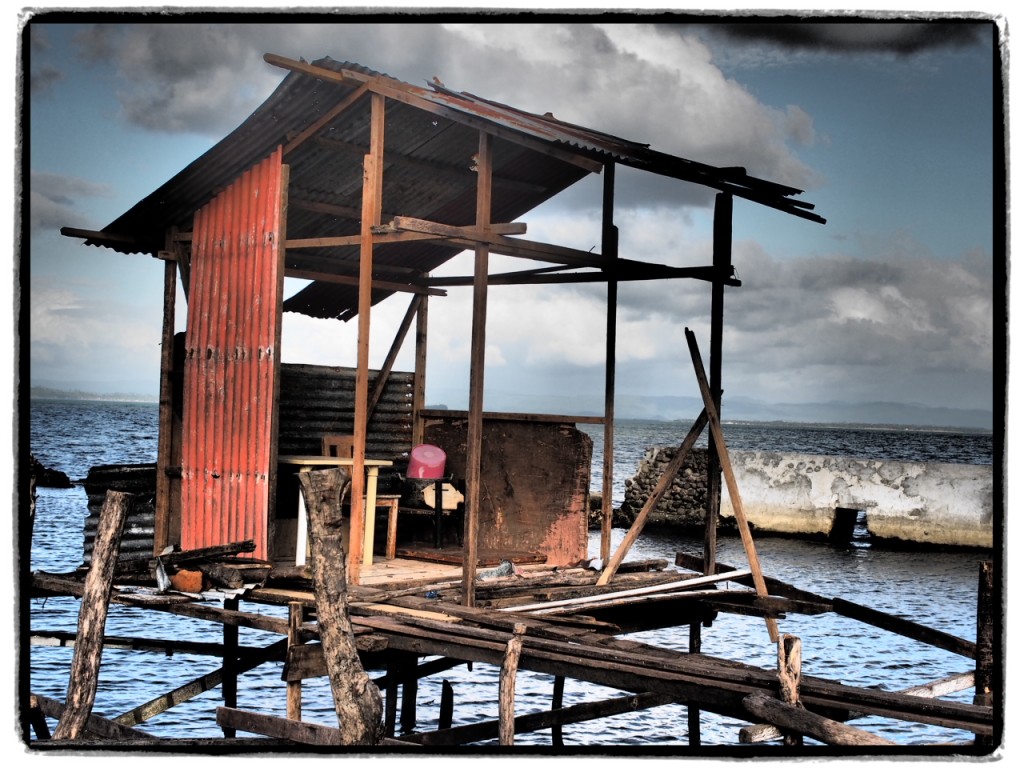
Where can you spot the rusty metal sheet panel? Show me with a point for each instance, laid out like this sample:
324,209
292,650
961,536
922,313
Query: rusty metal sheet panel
231,362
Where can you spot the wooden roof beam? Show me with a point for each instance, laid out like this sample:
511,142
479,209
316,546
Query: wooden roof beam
387,234
533,277
408,95
499,243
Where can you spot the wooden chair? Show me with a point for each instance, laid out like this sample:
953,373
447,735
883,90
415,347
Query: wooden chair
344,446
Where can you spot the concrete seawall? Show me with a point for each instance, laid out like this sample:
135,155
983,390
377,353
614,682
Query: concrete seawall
806,495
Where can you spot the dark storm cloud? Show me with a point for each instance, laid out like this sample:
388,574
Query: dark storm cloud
841,36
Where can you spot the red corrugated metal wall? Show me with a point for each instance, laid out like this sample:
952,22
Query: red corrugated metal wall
231,362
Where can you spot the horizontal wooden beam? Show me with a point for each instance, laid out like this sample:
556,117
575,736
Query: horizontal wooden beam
386,235
498,243
641,272
383,285
437,413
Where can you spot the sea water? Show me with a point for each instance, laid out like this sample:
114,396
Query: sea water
938,590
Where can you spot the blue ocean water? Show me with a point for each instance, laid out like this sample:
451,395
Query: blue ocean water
937,590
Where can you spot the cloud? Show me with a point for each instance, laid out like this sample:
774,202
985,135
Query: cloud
52,200
640,82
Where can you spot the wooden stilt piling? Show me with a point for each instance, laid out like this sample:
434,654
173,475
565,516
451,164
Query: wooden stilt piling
556,704
507,687
92,617
444,717
357,701
984,661
789,681
294,690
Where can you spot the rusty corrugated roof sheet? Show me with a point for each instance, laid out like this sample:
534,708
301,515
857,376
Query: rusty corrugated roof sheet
431,137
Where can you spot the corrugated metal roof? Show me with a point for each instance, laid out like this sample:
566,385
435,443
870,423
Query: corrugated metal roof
431,137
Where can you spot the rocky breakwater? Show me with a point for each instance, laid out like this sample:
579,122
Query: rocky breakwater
789,494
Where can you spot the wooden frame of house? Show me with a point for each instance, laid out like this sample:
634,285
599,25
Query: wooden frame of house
364,185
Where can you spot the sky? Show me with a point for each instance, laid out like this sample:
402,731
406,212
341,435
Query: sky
890,128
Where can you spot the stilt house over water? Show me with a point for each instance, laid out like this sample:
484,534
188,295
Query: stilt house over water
364,185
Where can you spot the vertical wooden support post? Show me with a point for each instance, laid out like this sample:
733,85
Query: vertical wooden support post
610,252
983,677
789,682
410,689
229,681
557,695
419,387
478,345
373,168
507,687
294,701
692,710
391,694
721,262
357,701
444,716
730,479
165,429
92,617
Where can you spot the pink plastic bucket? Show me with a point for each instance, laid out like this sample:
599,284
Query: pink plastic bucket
426,462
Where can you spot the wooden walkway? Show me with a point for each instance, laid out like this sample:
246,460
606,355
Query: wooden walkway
560,623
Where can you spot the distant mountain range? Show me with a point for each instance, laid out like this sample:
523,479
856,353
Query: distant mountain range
671,408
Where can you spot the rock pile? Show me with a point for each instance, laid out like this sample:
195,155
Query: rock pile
683,504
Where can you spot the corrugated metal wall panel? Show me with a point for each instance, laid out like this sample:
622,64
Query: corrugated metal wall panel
317,400
231,338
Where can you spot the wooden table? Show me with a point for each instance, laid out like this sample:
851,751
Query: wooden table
307,463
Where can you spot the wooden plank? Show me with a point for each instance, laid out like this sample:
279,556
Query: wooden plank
668,476
380,285
905,627
541,608
143,565
790,717
165,433
198,686
92,617
94,724
540,418
280,728
730,479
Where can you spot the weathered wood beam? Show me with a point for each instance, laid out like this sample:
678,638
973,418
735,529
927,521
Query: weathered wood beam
94,724
668,476
507,687
193,688
730,479
304,135
92,617
431,413
501,244
384,373
382,285
905,627
385,234
793,718
296,731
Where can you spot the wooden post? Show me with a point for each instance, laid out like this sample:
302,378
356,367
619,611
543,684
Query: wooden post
294,700
983,677
229,685
410,688
789,681
92,617
478,345
507,687
664,483
165,428
357,701
730,481
389,361
556,704
391,696
444,717
692,709
373,167
610,252
721,261
419,389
